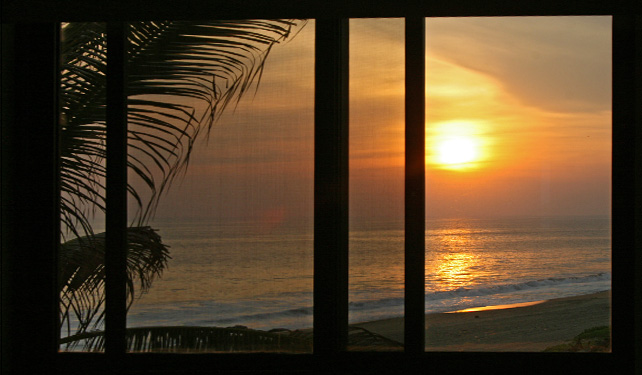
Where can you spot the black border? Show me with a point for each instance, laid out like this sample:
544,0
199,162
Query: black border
29,203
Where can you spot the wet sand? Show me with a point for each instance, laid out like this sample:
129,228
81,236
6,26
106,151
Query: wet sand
526,328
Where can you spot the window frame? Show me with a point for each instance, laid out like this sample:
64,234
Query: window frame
30,37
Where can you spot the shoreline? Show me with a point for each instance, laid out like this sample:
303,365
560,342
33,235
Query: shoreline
533,327
518,327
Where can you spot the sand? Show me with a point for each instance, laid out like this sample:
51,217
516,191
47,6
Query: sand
527,328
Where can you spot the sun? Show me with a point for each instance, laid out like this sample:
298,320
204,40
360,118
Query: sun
457,150
456,145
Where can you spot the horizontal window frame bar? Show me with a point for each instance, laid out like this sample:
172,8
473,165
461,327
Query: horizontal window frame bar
358,362
121,10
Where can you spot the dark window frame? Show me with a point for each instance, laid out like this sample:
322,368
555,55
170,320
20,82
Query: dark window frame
30,334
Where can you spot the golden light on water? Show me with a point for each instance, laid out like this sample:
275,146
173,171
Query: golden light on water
454,269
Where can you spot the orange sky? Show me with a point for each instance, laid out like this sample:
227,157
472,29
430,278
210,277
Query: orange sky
532,94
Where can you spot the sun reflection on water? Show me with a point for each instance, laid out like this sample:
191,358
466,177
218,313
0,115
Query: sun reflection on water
454,269
459,263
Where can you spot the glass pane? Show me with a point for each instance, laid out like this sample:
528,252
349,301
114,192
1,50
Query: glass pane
236,222
518,158
376,184
82,179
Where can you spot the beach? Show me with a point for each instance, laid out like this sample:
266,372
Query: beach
231,276
504,328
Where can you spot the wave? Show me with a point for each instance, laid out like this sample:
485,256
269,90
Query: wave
469,294
386,307
485,290
484,295
509,288
264,317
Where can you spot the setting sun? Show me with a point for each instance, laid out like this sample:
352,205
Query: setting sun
457,150
455,145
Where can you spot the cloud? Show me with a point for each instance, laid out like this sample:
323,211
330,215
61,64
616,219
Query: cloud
560,64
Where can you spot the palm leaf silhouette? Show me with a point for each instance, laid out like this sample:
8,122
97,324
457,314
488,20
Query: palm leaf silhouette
181,76
82,274
197,339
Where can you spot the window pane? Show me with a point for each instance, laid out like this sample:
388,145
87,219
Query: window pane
376,184
518,158
237,220
82,181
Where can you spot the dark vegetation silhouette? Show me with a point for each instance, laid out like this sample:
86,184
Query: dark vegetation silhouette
180,77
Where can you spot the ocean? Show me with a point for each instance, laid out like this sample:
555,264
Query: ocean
261,276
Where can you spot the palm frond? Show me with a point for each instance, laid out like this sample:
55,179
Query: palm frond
82,275
181,76
196,339
186,339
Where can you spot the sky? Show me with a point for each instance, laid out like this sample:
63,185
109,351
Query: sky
518,122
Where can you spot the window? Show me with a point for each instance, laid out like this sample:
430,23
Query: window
376,244
330,342
518,180
229,247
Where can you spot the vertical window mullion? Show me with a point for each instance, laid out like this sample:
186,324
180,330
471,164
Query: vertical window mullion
331,187
116,192
415,186
626,176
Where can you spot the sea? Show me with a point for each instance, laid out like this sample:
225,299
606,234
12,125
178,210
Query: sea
261,276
